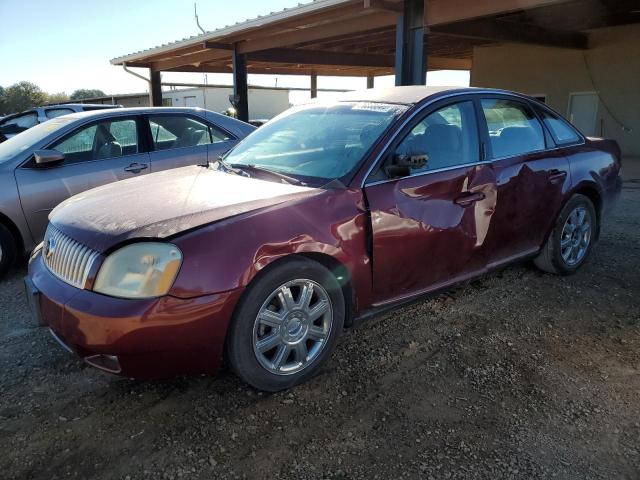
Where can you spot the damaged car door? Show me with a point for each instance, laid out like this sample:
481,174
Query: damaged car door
431,199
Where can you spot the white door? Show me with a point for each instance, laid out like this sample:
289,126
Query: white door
190,102
583,110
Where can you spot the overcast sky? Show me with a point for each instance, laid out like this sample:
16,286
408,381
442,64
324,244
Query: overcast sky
63,45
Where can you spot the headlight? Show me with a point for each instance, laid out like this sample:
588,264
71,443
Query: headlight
140,270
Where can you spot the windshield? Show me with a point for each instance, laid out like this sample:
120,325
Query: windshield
324,142
27,139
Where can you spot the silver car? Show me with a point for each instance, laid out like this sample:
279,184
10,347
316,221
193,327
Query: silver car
53,161
12,125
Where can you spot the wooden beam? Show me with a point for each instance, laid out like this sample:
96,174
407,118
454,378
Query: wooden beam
383,5
217,45
191,59
502,31
155,88
320,57
240,84
361,23
314,85
438,12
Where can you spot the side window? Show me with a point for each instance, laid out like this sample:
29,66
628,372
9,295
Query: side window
561,131
513,128
21,122
177,131
57,112
108,139
448,137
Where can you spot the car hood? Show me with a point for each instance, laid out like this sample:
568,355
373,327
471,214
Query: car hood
163,204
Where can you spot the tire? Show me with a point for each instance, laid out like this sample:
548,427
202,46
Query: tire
567,248
8,250
276,340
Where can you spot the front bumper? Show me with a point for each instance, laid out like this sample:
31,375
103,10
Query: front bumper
150,338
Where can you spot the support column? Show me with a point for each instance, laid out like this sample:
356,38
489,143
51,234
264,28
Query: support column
240,87
314,85
370,79
155,88
411,62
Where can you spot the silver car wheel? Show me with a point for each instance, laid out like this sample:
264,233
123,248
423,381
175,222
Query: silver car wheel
292,327
576,236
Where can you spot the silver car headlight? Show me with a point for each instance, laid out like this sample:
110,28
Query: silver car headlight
139,270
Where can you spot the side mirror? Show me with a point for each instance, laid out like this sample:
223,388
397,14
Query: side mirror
403,163
48,158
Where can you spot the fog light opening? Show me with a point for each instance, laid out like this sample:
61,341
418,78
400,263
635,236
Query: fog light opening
108,363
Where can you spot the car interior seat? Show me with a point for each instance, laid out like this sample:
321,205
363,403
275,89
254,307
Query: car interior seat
443,145
105,144
189,138
516,139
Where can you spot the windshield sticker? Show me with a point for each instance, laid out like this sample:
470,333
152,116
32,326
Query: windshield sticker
375,107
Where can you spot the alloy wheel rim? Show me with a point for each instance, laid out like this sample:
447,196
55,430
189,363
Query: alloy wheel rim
576,236
292,327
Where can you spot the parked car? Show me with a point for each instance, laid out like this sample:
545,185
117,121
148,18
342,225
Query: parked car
19,122
327,214
70,154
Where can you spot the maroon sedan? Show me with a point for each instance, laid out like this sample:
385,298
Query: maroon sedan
327,214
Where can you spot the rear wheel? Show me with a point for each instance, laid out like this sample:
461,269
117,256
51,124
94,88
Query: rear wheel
8,250
571,240
286,326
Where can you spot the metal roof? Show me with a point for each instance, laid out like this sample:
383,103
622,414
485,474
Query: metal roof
238,27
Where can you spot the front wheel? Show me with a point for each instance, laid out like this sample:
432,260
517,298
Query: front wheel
286,325
571,240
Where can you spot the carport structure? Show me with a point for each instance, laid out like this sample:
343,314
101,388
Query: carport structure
376,37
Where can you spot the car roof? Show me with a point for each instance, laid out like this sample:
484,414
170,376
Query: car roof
413,94
135,111
81,105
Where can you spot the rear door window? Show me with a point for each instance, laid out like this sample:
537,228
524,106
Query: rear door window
20,123
179,131
513,128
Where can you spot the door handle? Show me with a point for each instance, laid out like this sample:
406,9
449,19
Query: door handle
556,174
136,167
469,198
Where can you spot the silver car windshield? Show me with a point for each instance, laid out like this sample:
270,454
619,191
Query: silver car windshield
27,139
316,141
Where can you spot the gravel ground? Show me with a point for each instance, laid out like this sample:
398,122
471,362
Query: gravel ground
515,375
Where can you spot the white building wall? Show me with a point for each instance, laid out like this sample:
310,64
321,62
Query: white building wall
263,103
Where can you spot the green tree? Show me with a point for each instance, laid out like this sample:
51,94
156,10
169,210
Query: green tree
86,93
22,96
59,97
2,101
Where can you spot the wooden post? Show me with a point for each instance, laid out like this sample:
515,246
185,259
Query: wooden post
240,85
314,85
411,61
370,79
155,88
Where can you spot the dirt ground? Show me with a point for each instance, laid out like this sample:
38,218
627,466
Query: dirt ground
516,375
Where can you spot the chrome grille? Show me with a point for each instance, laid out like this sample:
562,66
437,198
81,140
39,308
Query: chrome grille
67,259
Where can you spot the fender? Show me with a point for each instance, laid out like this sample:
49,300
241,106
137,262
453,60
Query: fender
244,245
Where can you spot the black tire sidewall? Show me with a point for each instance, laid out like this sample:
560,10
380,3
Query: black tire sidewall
239,345
9,253
558,261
